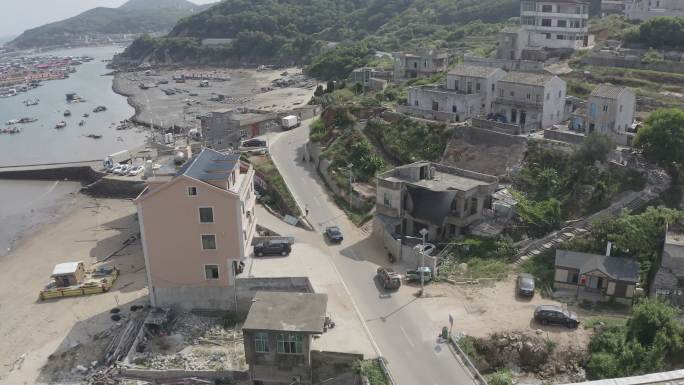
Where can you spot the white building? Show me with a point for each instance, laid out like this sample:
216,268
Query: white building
645,9
546,25
610,111
424,62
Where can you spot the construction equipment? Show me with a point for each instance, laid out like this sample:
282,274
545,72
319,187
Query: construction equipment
71,279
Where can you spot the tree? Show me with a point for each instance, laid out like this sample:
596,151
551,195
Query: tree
662,139
653,323
596,147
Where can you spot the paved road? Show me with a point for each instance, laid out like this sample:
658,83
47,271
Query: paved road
394,320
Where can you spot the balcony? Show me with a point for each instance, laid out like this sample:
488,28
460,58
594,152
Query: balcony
555,15
524,102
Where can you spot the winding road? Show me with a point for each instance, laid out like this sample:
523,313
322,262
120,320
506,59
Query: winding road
394,321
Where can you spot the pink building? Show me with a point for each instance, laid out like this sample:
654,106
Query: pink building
196,228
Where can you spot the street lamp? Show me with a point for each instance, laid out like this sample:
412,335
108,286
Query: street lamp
424,232
351,189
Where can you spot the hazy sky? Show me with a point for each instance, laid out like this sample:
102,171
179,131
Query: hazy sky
19,15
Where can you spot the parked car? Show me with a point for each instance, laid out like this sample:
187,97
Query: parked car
414,275
274,247
389,279
525,285
117,168
555,315
334,234
135,170
427,249
254,143
124,169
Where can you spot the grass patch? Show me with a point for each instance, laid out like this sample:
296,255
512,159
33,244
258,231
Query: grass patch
477,268
500,377
589,323
373,371
278,193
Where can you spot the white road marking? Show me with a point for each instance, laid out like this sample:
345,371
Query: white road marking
407,337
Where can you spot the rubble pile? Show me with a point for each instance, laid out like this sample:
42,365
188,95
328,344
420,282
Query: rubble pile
523,354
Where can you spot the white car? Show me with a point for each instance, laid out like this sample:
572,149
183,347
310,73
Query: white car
117,168
135,170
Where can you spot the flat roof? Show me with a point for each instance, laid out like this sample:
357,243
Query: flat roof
210,165
533,79
474,71
282,311
445,178
65,268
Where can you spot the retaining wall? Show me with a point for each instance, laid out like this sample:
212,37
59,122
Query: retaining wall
153,375
114,188
76,173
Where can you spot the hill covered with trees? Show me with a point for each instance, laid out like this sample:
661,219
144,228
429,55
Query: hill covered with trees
300,31
135,16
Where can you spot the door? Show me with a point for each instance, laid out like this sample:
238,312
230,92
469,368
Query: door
594,282
523,118
620,289
514,115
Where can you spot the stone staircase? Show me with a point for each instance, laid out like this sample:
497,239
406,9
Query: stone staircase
657,182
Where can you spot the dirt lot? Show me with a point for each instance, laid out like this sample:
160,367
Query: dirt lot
479,311
246,88
69,331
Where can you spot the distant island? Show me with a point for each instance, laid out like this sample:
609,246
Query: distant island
103,25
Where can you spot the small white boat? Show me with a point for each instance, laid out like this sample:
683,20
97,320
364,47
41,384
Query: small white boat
12,122
61,124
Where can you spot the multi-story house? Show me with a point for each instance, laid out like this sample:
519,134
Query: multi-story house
196,228
278,335
610,111
645,9
546,25
424,62
531,100
371,78
444,200
468,92
668,283
226,128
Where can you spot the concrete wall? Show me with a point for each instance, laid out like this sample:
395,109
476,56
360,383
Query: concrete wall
76,173
564,136
505,64
152,375
223,298
611,60
114,188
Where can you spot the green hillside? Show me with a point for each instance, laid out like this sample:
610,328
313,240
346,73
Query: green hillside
300,31
135,16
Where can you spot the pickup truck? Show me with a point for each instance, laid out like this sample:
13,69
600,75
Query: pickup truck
389,279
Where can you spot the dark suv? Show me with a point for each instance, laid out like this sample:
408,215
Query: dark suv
554,315
274,247
525,285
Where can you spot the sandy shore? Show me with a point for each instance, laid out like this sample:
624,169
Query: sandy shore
32,330
247,88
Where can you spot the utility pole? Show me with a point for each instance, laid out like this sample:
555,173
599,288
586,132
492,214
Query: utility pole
424,232
351,188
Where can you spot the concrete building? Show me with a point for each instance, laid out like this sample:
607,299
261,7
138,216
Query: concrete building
468,92
424,62
278,335
546,26
612,7
196,228
668,283
370,78
225,128
532,101
594,277
444,200
610,111
642,10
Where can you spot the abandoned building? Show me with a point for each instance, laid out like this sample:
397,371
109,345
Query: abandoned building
596,278
370,78
423,62
444,200
226,128
668,283
641,10
196,228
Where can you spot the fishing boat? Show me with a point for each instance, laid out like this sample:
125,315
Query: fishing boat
67,113
27,120
94,136
86,115
100,109
12,122
61,124
81,123
11,130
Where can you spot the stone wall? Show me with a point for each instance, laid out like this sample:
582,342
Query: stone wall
612,60
114,188
74,173
564,136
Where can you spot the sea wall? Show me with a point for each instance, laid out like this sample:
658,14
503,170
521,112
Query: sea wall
84,174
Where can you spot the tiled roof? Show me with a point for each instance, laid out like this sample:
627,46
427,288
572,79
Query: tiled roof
529,78
624,269
474,71
607,91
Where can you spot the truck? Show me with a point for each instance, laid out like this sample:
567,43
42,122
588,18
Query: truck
389,279
290,121
118,157
414,275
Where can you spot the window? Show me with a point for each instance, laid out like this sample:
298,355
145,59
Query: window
211,272
454,108
261,342
206,215
208,242
493,86
538,97
415,103
473,206
290,343
501,92
456,84
477,86
435,105
192,191
512,93
605,108
560,93
574,277
546,22
620,107
528,96
528,20
548,95
528,6
560,37
562,23
470,87
547,8
548,36
386,198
